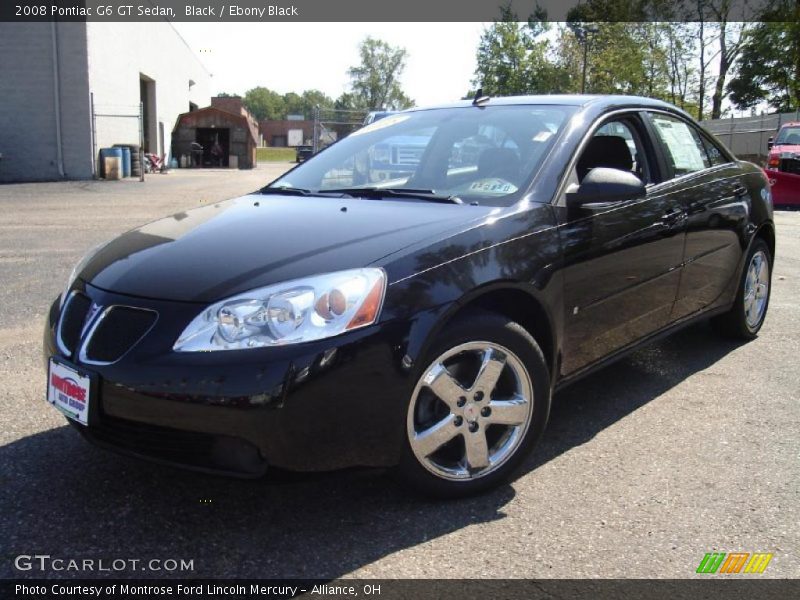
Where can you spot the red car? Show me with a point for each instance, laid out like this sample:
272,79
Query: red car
783,165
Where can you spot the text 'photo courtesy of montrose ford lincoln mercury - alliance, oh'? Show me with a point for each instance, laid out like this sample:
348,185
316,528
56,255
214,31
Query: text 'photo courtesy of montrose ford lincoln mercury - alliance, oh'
419,318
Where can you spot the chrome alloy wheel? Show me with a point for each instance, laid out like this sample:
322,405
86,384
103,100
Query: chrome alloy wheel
470,411
756,289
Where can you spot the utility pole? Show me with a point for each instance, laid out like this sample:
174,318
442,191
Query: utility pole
582,32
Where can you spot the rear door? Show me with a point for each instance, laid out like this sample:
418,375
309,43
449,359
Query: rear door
705,181
623,258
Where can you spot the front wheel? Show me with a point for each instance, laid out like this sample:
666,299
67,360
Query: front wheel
479,406
747,314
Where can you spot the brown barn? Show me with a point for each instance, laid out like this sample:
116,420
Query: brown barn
224,134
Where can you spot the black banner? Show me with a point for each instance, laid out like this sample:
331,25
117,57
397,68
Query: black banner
226,11
421,589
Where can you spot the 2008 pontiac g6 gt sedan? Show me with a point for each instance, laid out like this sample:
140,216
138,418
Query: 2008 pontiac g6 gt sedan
413,295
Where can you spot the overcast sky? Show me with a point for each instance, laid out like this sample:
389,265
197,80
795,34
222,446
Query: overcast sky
292,57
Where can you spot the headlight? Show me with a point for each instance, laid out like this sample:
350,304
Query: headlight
78,268
288,313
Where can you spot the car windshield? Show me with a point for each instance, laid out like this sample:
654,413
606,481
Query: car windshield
486,155
789,135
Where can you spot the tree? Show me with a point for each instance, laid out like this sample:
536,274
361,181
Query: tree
375,83
265,103
622,58
769,67
314,98
680,74
729,39
294,104
512,57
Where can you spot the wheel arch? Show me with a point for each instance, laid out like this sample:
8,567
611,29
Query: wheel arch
511,300
766,232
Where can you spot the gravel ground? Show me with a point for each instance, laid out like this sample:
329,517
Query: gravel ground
687,446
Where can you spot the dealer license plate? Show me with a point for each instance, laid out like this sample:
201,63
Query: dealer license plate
69,391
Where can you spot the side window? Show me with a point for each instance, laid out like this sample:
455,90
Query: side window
616,145
684,148
715,155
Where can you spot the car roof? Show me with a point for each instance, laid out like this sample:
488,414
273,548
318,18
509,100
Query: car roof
581,100
791,124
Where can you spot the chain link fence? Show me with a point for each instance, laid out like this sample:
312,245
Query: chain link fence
114,124
333,124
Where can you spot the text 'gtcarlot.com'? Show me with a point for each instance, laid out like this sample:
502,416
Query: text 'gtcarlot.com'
46,562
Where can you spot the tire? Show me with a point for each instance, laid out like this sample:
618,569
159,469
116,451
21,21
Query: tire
452,408
746,316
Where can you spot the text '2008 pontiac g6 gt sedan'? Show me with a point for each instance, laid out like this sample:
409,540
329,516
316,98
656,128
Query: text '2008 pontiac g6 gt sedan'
413,295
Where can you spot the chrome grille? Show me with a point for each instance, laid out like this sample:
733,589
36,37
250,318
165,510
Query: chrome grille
71,322
407,155
100,335
115,332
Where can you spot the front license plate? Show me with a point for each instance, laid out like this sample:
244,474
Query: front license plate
69,391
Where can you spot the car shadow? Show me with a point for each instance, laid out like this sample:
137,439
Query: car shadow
590,405
62,497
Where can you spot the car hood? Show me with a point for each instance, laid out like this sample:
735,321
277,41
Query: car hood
210,253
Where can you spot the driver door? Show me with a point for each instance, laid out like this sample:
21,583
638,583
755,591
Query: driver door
622,259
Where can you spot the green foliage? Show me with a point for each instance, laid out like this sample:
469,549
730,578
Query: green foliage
621,58
264,103
512,58
769,67
375,82
631,56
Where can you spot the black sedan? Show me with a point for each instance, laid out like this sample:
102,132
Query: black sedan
338,317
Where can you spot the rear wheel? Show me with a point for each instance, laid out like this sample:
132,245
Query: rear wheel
478,407
747,314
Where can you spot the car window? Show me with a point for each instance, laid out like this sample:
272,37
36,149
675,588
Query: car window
788,135
715,155
616,145
684,149
466,152
391,158
487,155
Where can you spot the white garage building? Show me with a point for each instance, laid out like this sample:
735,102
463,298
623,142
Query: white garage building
53,72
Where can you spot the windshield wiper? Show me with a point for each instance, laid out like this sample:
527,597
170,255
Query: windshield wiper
379,192
293,191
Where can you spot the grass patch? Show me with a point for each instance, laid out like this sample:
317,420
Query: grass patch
275,154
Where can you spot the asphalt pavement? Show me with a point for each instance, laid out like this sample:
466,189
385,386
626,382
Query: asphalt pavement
688,446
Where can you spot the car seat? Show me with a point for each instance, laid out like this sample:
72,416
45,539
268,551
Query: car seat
609,151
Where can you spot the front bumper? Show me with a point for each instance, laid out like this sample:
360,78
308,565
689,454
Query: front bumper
317,406
785,187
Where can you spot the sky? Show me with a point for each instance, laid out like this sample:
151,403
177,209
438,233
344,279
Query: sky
292,57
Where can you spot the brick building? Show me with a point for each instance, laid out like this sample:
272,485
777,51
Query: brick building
280,133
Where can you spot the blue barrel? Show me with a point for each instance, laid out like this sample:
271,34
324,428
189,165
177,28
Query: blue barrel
110,153
126,160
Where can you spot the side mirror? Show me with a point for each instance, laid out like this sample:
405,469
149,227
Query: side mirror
770,142
602,185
